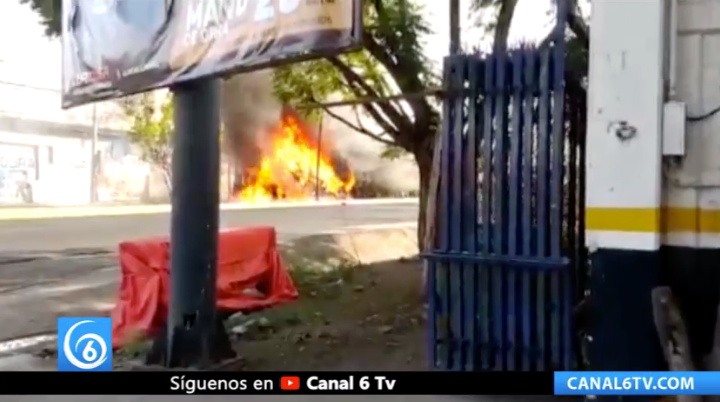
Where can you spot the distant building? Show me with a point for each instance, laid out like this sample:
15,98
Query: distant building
45,153
49,163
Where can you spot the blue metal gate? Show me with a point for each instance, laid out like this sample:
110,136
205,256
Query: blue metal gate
503,277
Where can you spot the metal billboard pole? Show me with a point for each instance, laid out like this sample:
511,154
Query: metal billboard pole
191,326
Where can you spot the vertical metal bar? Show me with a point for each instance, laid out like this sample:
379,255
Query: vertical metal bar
500,207
572,179
561,306
317,158
542,202
528,226
562,11
562,300
431,294
443,229
582,170
442,318
570,221
456,211
575,284
543,154
194,223
470,276
581,260
500,170
555,214
516,139
485,223
515,187
569,280
457,215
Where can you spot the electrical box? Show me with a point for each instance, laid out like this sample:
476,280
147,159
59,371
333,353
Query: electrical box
673,129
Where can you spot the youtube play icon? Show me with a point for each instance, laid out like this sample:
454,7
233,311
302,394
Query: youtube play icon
290,383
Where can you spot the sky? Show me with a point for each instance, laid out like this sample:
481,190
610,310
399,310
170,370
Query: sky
530,22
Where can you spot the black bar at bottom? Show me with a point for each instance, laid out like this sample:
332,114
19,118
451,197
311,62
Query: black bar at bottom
257,383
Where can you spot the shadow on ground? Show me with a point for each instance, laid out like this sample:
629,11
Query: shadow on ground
354,317
364,317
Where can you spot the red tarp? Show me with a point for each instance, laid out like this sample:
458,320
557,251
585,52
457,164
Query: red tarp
247,259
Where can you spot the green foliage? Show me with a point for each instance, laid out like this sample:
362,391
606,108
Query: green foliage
392,152
50,14
150,126
391,62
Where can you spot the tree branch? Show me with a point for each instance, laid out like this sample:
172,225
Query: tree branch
358,128
430,92
382,121
392,57
370,108
357,118
420,107
578,25
400,120
360,124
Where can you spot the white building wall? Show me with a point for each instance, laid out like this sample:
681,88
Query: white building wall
63,162
624,114
693,182
634,192
58,167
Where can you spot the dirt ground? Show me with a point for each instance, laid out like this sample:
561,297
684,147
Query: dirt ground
362,318
357,318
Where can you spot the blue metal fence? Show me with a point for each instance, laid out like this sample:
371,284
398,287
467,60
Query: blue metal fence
502,279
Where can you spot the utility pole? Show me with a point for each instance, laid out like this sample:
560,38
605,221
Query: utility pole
454,27
93,156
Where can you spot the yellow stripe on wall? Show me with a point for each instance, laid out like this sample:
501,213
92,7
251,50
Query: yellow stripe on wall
653,220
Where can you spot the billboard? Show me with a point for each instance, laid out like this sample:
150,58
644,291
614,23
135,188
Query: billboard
113,48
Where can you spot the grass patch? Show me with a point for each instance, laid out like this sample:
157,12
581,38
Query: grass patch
312,282
137,345
316,288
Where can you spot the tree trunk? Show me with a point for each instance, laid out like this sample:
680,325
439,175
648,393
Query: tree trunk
504,21
424,159
428,160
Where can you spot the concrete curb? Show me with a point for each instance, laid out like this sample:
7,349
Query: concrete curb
19,213
356,245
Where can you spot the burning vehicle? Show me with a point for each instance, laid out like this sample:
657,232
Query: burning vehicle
277,155
292,164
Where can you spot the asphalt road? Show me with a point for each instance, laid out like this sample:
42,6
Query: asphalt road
105,232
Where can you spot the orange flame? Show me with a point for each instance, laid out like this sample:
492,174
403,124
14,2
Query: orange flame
292,168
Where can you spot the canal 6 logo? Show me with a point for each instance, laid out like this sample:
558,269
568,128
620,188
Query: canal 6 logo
84,344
